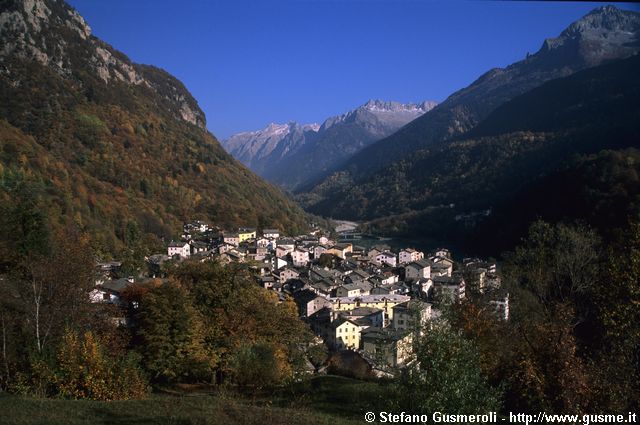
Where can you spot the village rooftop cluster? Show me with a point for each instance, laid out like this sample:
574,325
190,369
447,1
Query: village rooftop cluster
368,300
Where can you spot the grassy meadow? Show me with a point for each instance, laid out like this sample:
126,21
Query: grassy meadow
323,400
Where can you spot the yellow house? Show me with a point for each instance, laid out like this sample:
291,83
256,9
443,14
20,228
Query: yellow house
340,250
384,302
245,234
345,333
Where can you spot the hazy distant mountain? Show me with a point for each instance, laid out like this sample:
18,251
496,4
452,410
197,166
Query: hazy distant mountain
257,149
108,144
603,35
293,154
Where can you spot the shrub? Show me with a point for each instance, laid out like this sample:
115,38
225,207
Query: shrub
86,372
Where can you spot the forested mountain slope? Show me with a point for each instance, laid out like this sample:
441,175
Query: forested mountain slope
605,34
94,139
447,187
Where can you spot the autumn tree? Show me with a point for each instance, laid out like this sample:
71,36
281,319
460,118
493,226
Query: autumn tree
550,277
173,337
258,365
445,376
236,312
617,362
85,370
557,264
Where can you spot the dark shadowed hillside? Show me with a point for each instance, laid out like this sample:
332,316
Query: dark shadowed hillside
603,35
444,190
601,190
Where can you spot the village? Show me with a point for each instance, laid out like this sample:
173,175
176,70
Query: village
370,301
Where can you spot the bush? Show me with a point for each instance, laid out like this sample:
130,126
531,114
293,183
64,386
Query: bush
446,377
86,372
258,365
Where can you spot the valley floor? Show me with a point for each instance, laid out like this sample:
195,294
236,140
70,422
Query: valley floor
344,225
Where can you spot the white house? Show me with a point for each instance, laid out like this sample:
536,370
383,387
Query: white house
389,347
411,315
196,226
502,306
420,269
283,250
263,242
442,268
271,233
267,282
373,253
452,288
348,290
109,291
386,257
179,248
198,247
422,286
287,243
318,251
300,257
386,289
442,253
225,247
286,273
231,239
410,255
309,302
383,302
345,333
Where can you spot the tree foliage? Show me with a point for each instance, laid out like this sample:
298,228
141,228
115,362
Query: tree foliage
446,376
210,320
86,371
259,365
571,341
172,334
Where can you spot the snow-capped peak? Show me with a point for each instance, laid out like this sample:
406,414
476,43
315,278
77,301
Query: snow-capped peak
392,106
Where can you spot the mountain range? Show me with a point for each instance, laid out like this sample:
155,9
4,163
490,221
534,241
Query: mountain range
606,33
447,163
96,140
89,138
294,155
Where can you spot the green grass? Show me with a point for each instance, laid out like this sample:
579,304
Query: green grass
322,400
335,395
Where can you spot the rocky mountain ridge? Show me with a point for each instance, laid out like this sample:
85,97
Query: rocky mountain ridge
274,141
38,29
115,149
292,154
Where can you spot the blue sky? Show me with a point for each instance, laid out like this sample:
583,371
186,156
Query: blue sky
249,63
